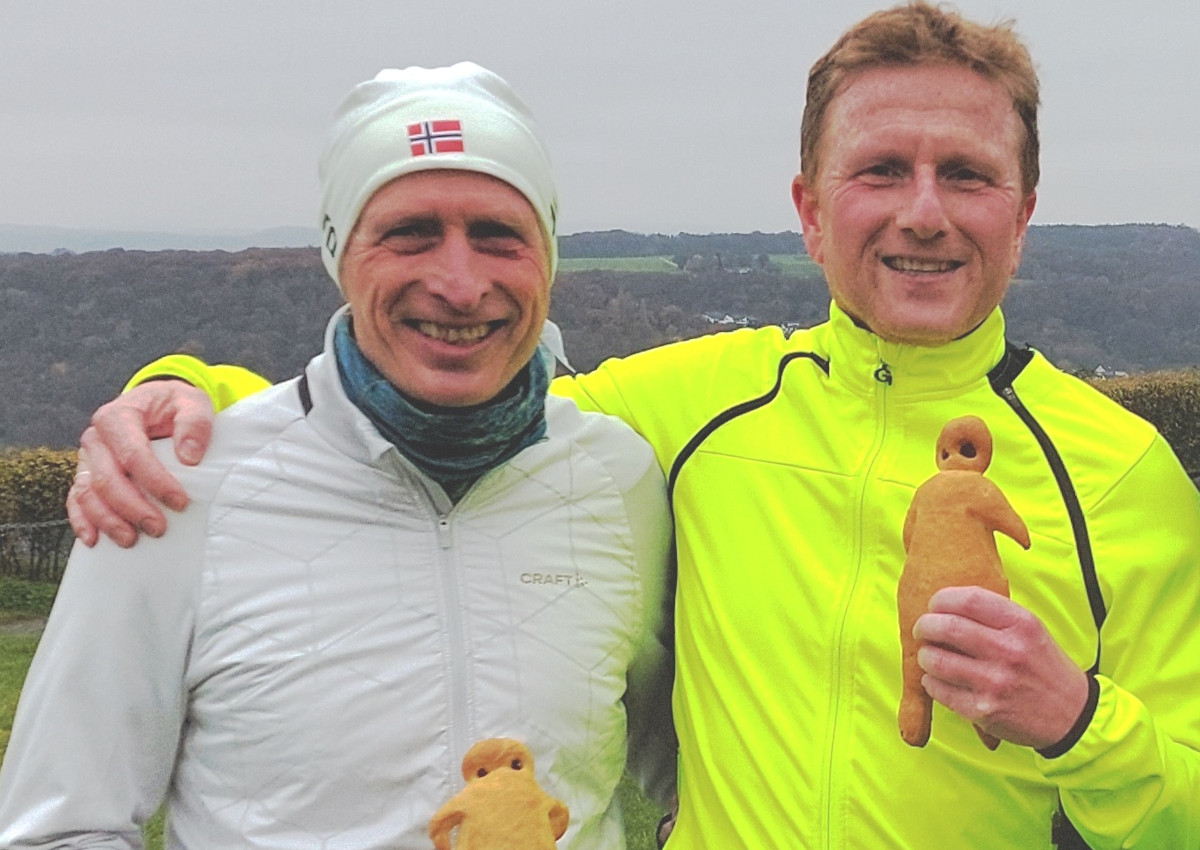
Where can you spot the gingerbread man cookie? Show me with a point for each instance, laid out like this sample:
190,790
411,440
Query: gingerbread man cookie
949,538
502,807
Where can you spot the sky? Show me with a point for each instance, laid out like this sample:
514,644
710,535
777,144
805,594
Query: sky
662,116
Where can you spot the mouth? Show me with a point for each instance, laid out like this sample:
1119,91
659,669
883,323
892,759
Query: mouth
461,335
915,265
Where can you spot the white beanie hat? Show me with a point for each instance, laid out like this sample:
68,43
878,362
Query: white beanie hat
462,117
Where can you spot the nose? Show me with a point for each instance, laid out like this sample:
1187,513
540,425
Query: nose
456,275
922,212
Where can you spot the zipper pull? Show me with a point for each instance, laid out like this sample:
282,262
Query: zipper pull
1014,401
444,532
884,373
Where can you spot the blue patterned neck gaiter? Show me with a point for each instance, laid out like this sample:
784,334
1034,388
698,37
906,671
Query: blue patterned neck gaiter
452,445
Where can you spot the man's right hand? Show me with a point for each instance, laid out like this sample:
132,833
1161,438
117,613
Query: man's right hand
118,474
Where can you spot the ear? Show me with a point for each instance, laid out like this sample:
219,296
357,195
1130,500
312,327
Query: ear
1023,217
805,199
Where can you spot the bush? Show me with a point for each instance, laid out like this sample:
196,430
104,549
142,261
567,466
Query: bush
1169,400
34,484
26,597
34,537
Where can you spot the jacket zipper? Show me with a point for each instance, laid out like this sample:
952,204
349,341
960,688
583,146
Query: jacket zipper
456,662
883,378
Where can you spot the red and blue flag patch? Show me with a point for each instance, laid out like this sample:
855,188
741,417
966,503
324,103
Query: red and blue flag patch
433,137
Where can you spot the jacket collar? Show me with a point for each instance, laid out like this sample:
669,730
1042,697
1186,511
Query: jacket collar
862,361
333,416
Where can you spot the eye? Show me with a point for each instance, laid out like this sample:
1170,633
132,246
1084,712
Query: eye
968,450
496,237
412,237
881,174
516,764
965,176
482,772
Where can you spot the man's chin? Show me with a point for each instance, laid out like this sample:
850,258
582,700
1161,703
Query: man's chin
454,388
925,334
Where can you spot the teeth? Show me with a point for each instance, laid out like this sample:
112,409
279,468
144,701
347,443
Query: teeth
454,335
909,264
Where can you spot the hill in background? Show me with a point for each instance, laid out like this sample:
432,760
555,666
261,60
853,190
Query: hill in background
16,238
74,327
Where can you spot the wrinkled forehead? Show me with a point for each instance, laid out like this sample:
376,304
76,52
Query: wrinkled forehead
942,96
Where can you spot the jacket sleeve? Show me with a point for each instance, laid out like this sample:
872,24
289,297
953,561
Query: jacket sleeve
651,734
100,716
634,389
601,390
223,383
1132,780
588,392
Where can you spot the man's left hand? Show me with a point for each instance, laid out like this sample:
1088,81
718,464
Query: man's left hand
993,662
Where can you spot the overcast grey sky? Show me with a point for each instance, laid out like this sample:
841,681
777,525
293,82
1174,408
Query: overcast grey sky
661,115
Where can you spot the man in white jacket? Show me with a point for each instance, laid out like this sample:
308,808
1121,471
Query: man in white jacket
405,550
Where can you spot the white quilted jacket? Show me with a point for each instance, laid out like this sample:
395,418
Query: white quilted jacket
304,658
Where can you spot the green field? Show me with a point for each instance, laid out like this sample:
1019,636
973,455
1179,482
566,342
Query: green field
795,264
619,264
792,264
16,651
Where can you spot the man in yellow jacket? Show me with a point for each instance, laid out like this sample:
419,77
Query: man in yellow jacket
791,462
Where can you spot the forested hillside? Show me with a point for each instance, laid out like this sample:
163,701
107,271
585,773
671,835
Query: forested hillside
74,327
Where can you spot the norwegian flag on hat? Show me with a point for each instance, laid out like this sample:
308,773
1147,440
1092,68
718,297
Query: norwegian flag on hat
428,137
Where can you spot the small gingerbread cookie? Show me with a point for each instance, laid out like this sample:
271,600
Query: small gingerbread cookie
948,535
502,807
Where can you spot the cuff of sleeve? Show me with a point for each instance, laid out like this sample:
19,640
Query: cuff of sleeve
224,384
1080,726
183,367
1120,743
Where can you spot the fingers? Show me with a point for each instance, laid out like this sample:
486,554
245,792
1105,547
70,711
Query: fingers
85,530
963,651
193,425
122,430
993,662
141,469
104,497
978,623
957,634
958,672
978,689
88,512
975,603
119,475
975,705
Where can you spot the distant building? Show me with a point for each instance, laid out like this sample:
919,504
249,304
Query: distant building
738,321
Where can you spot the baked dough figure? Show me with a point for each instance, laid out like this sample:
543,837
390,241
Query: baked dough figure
502,807
948,535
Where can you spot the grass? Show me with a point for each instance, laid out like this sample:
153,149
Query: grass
21,599
789,264
16,652
641,817
618,264
795,264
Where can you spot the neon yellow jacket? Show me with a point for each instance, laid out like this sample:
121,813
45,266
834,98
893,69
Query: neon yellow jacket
224,383
792,461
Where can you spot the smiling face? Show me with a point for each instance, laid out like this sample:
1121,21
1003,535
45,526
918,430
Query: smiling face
448,278
917,213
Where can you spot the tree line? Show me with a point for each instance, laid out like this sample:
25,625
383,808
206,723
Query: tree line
74,327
